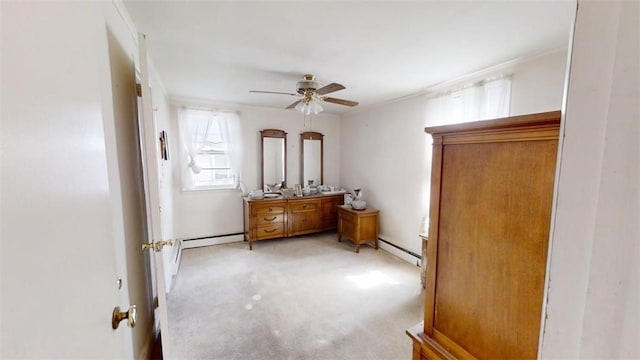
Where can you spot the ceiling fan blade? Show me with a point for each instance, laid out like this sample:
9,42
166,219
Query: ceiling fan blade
294,104
272,92
340,101
329,89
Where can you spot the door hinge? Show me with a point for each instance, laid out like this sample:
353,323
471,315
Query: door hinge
139,90
157,245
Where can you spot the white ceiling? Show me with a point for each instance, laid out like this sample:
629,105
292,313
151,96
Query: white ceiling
219,50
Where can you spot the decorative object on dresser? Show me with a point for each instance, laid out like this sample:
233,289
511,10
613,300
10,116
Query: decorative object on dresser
491,196
359,226
284,217
357,202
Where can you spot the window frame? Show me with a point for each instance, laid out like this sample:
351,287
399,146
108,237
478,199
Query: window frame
198,184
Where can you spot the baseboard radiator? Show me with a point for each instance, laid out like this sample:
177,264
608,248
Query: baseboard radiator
212,240
401,249
397,250
234,237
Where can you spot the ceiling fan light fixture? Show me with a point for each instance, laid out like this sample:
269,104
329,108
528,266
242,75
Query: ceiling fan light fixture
315,106
309,106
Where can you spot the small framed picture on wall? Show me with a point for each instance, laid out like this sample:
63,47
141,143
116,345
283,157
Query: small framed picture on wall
164,145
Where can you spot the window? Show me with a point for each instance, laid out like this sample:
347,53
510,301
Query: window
479,101
208,149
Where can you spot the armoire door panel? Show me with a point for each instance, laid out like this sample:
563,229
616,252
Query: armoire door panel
489,260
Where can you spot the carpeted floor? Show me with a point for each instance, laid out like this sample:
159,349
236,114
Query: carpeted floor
307,297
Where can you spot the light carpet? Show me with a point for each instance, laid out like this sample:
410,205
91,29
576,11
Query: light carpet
306,297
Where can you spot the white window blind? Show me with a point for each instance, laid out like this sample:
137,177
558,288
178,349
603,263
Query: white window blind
211,149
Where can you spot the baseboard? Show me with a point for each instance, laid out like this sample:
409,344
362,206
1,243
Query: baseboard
398,253
176,257
174,266
214,240
217,240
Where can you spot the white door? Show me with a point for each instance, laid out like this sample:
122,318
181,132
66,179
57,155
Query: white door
151,157
58,258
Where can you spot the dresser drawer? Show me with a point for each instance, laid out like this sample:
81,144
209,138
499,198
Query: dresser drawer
304,206
268,209
275,230
269,218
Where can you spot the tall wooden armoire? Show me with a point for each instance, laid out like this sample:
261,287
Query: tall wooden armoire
490,213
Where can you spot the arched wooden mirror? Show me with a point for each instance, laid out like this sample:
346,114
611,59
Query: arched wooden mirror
311,158
273,148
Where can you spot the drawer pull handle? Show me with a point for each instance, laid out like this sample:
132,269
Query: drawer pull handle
273,218
270,209
304,206
270,231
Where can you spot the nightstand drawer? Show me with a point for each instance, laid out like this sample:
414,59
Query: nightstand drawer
347,229
347,216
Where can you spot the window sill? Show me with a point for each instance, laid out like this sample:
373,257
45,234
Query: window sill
212,188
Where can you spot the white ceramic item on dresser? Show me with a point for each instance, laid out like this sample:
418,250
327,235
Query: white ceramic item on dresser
330,190
256,194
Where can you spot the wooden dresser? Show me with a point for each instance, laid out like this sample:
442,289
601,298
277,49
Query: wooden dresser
490,212
359,226
279,217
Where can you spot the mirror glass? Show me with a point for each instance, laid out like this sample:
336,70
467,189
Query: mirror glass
312,158
274,159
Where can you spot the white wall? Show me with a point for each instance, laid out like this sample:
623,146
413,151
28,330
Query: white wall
383,153
219,212
538,83
386,152
593,304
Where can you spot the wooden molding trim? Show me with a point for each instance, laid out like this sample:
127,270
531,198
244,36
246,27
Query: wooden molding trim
273,133
311,135
525,121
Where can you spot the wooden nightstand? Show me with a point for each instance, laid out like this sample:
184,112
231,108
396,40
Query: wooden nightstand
359,226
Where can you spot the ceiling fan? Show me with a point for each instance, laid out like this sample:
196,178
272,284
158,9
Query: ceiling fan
312,96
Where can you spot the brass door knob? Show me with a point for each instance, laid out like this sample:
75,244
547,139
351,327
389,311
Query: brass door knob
118,316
